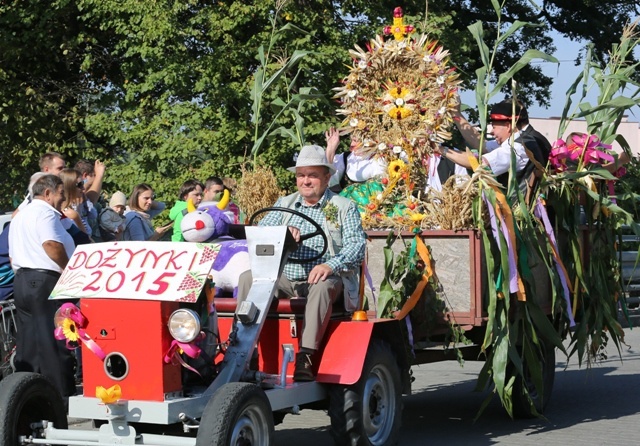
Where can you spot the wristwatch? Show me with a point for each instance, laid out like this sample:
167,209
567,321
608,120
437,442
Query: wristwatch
444,150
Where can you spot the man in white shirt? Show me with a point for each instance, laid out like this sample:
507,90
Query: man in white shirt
40,248
497,153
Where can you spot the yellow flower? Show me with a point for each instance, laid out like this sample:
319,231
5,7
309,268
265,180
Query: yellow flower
398,92
417,217
70,330
398,102
399,112
395,168
110,395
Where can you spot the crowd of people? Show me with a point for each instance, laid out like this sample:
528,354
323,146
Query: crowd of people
62,209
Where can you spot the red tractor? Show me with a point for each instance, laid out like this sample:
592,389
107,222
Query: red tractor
161,366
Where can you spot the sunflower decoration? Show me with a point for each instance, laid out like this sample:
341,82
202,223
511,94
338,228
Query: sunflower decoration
70,330
399,96
396,168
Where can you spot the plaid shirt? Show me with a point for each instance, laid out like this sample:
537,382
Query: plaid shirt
349,230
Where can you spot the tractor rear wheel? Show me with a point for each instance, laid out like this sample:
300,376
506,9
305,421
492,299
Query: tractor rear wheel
238,414
523,405
27,398
369,412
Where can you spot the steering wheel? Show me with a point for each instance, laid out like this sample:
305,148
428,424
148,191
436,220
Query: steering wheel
318,231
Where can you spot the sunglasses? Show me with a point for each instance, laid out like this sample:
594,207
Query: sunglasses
80,184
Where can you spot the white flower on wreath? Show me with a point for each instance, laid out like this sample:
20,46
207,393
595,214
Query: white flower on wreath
352,93
353,122
382,146
362,64
397,149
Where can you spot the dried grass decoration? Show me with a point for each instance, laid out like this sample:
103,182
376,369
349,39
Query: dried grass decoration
257,189
398,99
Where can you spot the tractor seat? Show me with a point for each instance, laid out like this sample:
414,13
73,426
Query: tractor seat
279,307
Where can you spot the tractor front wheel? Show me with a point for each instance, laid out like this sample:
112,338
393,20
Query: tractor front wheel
369,412
238,414
27,398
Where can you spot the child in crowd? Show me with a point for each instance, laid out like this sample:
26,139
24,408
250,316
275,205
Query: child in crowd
190,190
213,191
111,218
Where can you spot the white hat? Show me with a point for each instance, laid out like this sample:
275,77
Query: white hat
118,199
312,156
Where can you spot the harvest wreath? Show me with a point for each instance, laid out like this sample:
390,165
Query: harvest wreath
398,99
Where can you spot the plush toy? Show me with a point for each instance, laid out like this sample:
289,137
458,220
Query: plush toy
206,223
209,223
231,261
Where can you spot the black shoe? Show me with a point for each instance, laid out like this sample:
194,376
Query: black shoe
304,368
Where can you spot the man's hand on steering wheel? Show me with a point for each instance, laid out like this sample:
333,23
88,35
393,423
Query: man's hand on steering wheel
295,232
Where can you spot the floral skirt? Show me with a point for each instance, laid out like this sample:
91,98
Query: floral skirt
365,193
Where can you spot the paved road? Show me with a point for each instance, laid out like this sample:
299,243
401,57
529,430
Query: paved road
596,405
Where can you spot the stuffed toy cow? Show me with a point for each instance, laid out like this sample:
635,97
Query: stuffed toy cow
210,224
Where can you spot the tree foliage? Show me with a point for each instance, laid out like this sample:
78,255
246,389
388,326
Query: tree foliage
162,90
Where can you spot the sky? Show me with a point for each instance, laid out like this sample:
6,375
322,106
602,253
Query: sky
564,75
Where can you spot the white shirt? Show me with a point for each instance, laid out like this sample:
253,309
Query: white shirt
31,227
498,156
358,169
433,179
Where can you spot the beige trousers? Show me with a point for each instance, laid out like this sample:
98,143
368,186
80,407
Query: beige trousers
320,298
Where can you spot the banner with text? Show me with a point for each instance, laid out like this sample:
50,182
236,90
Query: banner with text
168,271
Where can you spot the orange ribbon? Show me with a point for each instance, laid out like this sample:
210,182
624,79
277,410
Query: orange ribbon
423,252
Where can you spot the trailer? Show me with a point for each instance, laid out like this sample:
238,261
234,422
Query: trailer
164,364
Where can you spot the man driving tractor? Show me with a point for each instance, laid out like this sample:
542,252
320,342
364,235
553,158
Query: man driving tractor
323,280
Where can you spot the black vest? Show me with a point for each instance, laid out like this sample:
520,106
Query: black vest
522,176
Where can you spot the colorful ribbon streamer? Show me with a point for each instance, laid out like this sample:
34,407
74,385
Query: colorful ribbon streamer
70,323
508,230
540,211
190,349
423,252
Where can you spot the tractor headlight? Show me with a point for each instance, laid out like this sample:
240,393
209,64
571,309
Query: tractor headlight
184,325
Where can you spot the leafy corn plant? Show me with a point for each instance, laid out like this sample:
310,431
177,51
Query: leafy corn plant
517,327
586,207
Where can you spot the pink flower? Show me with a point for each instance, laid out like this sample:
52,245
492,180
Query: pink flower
587,149
559,153
620,172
